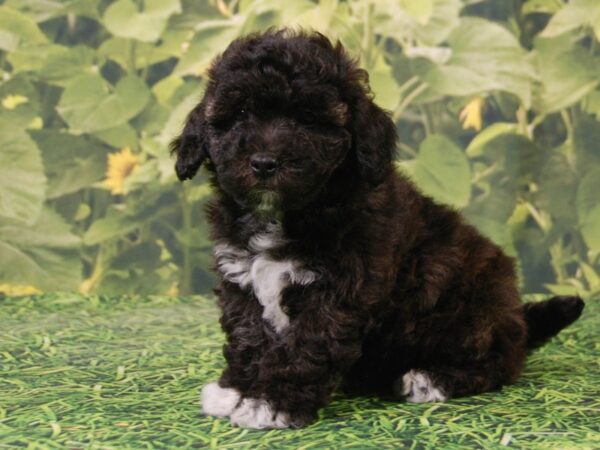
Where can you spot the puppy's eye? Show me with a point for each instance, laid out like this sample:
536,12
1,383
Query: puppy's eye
298,165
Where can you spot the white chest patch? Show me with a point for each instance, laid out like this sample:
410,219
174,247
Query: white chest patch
255,268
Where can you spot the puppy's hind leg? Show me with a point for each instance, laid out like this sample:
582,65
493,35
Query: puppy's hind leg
418,386
444,382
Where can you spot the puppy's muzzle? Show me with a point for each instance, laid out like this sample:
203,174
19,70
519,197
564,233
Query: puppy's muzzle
264,166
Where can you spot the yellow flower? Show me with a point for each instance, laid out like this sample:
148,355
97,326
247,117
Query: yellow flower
12,101
18,290
120,166
470,115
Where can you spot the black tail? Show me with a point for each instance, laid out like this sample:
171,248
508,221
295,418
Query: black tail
545,319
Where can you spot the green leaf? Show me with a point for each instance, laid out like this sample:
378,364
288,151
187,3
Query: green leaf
165,88
592,278
496,231
574,15
113,225
590,228
483,138
588,208
119,222
596,25
307,14
520,157
421,11
145,256
89,104
22,179
9,41
561,289
591,104
43,10
44,254
123,19
211,38
71,162
171,45
557,187
485,57
152,119
175,123
164,162
567,73
497,202
441,170
19,114
14,23
197,238
53,63
588,193
540,6
586,135
143,176
383,85
123,135
426,22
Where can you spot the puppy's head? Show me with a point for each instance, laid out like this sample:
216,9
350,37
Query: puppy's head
280,113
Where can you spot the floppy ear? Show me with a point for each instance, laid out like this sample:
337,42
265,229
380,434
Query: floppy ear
374,141
191,146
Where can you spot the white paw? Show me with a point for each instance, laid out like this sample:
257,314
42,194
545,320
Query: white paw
417,387
218,401
253,413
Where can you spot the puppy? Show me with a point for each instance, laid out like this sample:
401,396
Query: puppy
334,270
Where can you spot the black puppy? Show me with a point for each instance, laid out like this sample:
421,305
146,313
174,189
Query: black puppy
334,270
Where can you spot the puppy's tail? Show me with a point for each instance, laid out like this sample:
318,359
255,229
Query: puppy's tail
545,319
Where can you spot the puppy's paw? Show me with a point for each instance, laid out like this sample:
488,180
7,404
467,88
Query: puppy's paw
256,413
417,387
218,401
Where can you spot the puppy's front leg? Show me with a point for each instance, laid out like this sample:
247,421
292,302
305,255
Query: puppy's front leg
299,371
247,339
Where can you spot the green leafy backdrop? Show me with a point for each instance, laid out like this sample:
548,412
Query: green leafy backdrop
497,105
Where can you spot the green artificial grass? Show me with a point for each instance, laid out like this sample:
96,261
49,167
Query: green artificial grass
99,372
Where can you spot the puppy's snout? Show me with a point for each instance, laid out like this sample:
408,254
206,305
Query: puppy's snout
263,165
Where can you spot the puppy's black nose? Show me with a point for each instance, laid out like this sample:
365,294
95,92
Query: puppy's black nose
263,165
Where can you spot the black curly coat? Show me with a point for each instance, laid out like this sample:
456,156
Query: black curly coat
290,134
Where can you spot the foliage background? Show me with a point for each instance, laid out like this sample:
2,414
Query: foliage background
496,102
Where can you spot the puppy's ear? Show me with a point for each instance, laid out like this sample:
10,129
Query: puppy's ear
191,146
374,141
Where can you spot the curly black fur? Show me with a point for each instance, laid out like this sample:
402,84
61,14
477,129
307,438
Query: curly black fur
400,283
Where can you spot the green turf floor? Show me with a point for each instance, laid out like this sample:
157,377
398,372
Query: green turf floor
96,372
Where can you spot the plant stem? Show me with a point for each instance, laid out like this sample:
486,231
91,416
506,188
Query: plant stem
538,217
485,173
556,250
406,101
132,55
556,256
524,126
97,272
564,114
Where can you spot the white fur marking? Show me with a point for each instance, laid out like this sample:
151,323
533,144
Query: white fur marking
417,387
253,413
218,401
267,276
